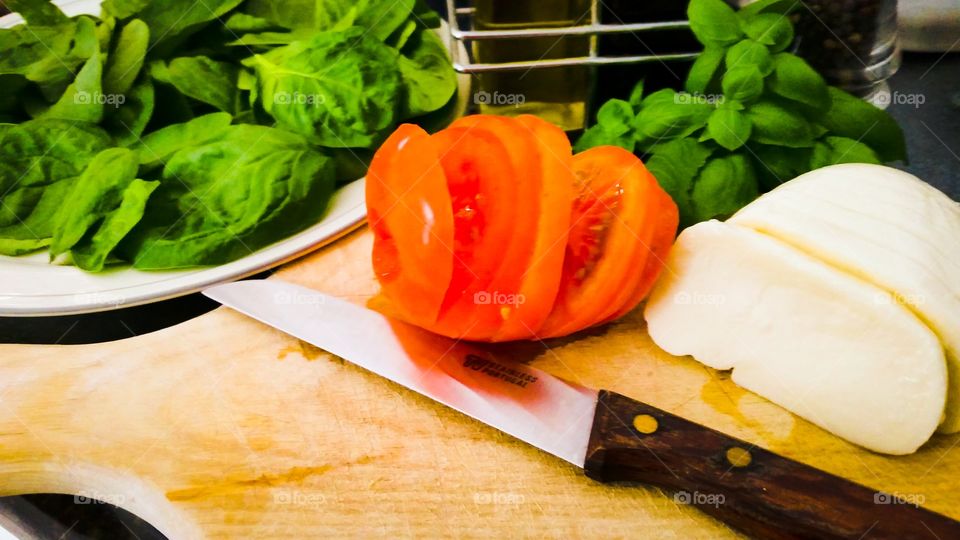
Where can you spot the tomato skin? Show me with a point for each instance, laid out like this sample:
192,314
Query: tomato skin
410,214
491,230
611,217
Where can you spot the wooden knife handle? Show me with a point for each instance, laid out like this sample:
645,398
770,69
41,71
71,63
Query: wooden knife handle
751,489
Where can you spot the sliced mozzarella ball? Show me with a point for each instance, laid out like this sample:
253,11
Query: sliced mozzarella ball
885,226
802,334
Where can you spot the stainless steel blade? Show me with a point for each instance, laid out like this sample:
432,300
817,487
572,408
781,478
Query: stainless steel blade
531,405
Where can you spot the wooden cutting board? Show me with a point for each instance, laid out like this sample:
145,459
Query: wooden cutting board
222,427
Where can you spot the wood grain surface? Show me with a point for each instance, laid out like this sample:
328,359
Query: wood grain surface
222,427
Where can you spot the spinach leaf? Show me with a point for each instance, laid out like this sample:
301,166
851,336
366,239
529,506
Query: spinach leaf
200,78
126,58
93,251
170,20
83,100
48,55
380,17
158,147
39,160
127,123
220,200
96,192
428,77
338,88
37,12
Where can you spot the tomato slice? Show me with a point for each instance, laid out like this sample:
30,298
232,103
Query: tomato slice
665,232
607,228
410,214
549,207
478,170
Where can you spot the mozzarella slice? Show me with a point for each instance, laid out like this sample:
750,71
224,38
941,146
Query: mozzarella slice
885,226
802,334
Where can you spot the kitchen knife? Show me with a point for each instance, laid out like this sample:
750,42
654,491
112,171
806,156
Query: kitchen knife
612,437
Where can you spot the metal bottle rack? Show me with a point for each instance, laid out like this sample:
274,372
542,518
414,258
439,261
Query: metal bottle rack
465,64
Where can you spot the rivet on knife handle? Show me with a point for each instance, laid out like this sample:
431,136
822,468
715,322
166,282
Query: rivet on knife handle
751,489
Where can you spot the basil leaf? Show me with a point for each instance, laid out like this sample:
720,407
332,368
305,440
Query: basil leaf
793,78
750,53
773,124
126,58
713,22
429,80
249,187
725,185
201,78
836,150
856,119
770,29
779,7
666,114
730,128
778,164
601,135
742,83
675,165
616,116
338,88
705,71
636,95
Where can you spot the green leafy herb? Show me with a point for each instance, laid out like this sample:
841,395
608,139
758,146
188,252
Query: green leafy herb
201,78
775,119
337,88
426,73
126,58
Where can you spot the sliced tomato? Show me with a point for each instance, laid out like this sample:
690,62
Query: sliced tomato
666,220
478,172
550,207
607,228
411,216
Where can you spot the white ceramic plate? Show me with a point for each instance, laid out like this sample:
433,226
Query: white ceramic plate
30,286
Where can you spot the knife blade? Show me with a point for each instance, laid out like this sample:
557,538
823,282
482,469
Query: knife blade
612,437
